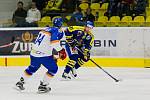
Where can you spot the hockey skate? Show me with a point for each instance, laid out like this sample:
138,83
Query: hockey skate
66,76
43,88
73,73
19,85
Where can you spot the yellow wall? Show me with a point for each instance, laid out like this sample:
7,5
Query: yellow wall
2,62
147,62
22,61
105,62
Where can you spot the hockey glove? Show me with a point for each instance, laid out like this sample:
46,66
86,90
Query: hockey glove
86,55
55,55
62,54
73,44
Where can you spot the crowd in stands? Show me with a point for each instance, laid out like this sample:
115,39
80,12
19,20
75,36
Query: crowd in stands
23,18
74,13
126,8
19,15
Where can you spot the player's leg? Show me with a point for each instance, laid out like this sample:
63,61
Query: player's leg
52,67
34,66
68,68
79,63
81,60
70,65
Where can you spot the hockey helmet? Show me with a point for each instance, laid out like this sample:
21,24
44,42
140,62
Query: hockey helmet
58,22
89,24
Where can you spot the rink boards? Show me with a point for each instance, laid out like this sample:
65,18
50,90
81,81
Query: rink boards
104,62
112,46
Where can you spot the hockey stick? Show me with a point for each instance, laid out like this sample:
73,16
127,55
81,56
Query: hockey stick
116,80
8,44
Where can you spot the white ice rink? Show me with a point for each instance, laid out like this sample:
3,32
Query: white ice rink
93,84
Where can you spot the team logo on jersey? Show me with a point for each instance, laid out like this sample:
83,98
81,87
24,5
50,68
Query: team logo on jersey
27,37
88,37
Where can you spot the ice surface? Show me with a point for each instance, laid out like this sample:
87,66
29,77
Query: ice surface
92,84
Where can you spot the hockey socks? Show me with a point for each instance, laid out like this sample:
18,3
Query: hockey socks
67,69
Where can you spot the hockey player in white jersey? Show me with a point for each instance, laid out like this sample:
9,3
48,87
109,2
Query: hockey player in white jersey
41,53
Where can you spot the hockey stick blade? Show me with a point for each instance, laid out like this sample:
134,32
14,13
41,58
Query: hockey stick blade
116,80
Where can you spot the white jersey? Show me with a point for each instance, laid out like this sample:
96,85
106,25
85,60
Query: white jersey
44,44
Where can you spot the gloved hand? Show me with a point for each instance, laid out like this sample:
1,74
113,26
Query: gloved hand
73,44
86,55
62,54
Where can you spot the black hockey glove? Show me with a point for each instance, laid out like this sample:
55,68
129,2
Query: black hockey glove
86,55
73,44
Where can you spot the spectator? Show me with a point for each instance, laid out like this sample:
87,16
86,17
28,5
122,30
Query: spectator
40,4
33,15
19,15
98,1
89,16
77,17
140,7
68,6
125,8
113,8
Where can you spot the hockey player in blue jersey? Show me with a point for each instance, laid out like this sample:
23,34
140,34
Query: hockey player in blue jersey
81,38
41,54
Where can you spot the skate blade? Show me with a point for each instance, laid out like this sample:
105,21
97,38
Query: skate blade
43,92
65,79
18,89
38,92
73,77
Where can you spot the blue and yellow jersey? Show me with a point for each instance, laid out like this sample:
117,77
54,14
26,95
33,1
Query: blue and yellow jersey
78,34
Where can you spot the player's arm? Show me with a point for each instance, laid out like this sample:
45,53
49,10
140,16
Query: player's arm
70,33
69,36
89,42
87,47
55,43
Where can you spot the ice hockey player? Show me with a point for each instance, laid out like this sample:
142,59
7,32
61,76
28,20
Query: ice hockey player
77,37
41,54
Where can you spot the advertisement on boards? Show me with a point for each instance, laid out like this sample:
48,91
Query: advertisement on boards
22,44
108,41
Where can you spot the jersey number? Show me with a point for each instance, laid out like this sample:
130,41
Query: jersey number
39,39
